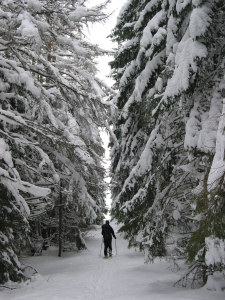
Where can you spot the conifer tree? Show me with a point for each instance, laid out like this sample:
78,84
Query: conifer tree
168,72
51,111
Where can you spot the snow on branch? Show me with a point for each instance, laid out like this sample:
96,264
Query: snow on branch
217,171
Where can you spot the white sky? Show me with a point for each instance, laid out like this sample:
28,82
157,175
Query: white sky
99,32
98,35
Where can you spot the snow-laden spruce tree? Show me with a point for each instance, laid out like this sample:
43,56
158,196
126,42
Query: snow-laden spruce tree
170,127
51,111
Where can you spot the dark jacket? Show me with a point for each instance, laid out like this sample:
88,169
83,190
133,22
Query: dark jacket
107,232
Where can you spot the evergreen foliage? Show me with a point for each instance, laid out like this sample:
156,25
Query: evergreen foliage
169,70
12,223
50,114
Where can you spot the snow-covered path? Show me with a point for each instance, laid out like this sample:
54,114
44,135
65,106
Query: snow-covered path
87,276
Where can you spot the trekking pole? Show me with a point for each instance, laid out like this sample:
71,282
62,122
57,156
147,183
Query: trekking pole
101,248
115,247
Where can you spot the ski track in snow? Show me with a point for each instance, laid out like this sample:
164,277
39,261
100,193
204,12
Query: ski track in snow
88,276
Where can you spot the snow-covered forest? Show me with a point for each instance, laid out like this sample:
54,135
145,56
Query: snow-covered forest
166,119
168,166
52,108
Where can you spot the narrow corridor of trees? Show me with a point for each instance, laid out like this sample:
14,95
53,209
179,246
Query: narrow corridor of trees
166,121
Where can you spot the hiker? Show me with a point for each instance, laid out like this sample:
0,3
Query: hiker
107,233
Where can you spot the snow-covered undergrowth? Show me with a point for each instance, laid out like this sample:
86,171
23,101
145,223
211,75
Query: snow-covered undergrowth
88,276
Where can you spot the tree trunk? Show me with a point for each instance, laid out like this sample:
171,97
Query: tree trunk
60,219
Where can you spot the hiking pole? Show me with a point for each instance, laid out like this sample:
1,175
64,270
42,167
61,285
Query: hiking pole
101,248
115,247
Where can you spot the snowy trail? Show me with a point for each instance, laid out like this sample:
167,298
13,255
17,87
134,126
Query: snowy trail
87,276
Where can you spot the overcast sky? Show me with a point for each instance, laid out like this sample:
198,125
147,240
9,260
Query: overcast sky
99,33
